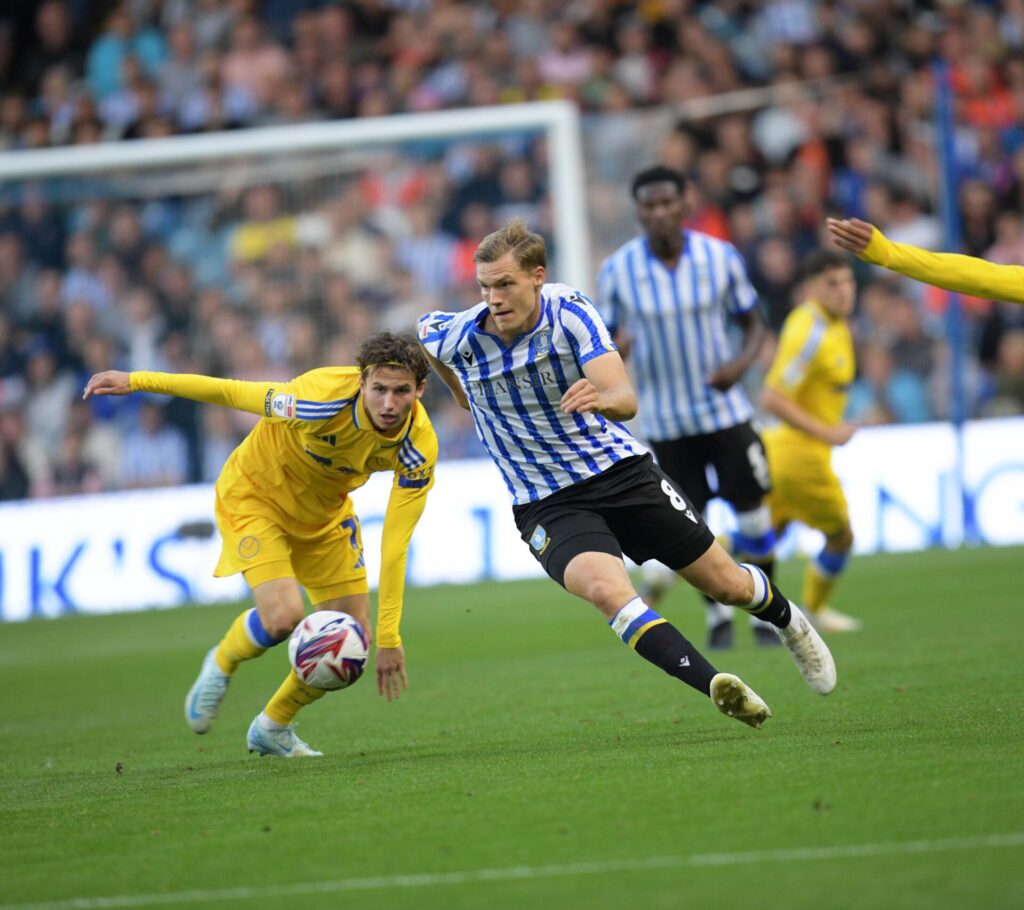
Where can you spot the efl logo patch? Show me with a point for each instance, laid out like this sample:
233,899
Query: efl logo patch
248,546
540,540
282,406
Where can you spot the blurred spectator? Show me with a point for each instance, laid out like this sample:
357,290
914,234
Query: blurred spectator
154,454
264,268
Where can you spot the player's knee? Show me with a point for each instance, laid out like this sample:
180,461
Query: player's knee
605,594
281,617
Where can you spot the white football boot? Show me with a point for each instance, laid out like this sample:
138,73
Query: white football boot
733,697
277,740
202,704
812,656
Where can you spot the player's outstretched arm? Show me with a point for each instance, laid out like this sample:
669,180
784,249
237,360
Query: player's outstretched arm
604,389
951,271
110,382
268,399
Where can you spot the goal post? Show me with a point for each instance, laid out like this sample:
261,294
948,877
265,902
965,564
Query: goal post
558,120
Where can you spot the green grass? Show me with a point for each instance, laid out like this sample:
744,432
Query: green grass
531,738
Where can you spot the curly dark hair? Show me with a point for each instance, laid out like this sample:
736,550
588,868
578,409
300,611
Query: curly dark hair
388,349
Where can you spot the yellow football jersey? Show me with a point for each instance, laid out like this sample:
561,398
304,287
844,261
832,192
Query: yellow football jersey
314,445
952,271
814,366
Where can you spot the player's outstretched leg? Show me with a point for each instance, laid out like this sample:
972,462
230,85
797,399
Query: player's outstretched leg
747,587
735,698
247,638
811,654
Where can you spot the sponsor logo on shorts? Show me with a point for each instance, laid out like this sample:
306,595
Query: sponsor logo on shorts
248,546
540,540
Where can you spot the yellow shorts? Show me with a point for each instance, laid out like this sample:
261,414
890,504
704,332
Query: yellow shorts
261,542
804,486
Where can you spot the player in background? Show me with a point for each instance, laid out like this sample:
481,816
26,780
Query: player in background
286,519
667,296
537,369
806,388
951,271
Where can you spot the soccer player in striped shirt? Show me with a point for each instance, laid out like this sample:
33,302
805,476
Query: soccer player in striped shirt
666,295
951,271
286,519
536,367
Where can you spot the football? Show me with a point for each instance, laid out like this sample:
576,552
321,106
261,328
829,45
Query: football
328,650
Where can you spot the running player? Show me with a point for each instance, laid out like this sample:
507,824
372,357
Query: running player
669,295
538,370
286,519
806,388
952,271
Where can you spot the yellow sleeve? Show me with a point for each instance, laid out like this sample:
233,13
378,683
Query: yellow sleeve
413,481
799,342
952,271
311,397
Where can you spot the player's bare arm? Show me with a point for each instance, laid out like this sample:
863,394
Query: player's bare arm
110,382
850,234
787,410
448,377
605,390
732,371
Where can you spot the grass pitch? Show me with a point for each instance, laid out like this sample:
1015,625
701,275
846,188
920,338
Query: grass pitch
534,762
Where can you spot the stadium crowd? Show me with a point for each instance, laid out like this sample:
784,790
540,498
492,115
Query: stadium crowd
265,277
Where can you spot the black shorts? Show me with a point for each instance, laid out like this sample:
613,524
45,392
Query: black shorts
737,455
632,508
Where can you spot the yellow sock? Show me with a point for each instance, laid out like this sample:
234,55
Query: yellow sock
292,694
817,587
237,645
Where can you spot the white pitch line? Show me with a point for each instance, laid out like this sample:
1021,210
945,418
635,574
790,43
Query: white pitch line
514,873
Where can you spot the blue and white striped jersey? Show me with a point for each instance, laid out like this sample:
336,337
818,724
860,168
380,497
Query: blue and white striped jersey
514,392
677,321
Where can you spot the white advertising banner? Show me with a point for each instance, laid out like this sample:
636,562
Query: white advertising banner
127,551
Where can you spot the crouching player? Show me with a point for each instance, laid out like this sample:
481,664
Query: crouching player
806,388
286,519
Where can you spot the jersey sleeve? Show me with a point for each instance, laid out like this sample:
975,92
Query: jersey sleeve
432,331
952,271
742,297
414,476
584,328
799,344
609,302
310,398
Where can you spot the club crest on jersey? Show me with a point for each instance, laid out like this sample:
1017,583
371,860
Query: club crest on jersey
540,540
540,344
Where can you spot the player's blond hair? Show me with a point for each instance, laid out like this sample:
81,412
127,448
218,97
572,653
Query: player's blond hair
527,248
